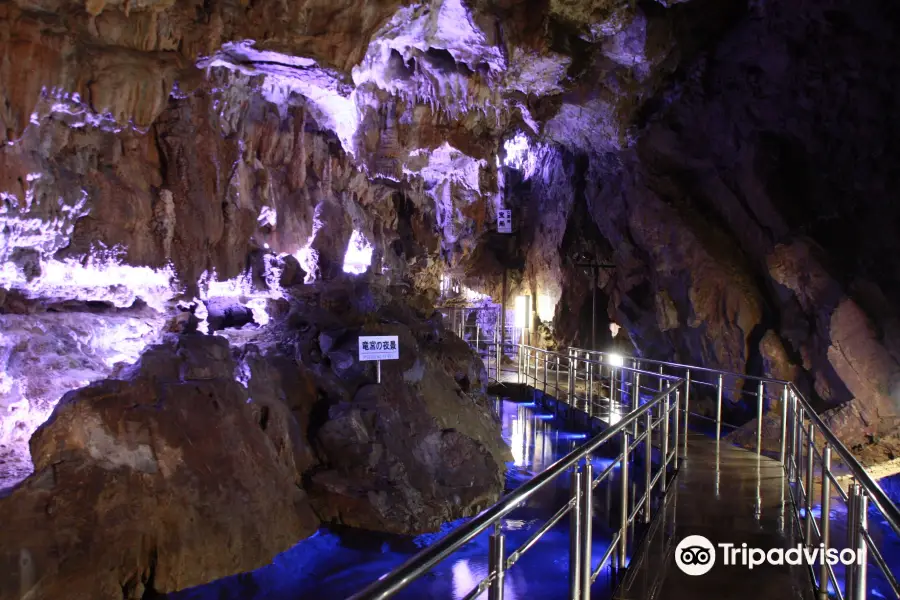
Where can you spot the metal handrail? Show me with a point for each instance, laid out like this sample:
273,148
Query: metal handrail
684,366
877,495
493,346
422,562
798,455
888,509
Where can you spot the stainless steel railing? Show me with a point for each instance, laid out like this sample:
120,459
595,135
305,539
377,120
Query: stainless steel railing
479,326
653,425
804,442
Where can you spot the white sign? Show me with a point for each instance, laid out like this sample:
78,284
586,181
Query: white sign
379,347
504,221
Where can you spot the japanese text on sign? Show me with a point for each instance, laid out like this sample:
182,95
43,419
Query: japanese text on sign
379,347
504,221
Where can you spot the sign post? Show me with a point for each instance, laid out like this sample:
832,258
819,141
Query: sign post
379,348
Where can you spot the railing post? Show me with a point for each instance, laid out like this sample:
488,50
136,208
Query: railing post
519,362
661,380
558,363
852,534
798,441
497,565
665,444
590,391
648,463
544,354
637,384
587,514
570,393
623,531
575,535
527,359
760,398
793,415
861,518
687,408
719,408
677,428
810,480
825,525
784,423
635,393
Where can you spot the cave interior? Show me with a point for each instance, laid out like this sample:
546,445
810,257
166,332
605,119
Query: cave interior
204,205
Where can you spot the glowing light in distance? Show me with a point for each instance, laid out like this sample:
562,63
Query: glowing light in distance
358,257
523,308
545,308
616,360
519,155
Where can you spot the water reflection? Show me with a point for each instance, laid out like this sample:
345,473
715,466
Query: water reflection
464,580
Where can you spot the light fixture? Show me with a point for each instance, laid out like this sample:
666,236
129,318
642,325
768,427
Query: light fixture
523,309
616,360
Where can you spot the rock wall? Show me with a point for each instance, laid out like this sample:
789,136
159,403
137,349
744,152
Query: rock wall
770,176
156,480
44,355
213,453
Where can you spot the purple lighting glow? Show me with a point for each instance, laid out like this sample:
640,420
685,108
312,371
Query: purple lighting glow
520,156
359,254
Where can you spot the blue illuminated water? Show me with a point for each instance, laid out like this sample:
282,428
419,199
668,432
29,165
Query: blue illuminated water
334,564
882,535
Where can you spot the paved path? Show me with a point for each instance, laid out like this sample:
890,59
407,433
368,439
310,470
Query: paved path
728,495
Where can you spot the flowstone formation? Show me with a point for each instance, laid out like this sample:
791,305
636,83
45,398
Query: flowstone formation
211,454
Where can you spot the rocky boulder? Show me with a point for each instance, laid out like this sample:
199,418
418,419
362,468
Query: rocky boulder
395,466
160,480
421,448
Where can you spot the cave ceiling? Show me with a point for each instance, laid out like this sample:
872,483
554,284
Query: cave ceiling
178,136
712,150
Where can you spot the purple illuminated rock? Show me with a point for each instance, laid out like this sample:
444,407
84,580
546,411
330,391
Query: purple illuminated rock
155,482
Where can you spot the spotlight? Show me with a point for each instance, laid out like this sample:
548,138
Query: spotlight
616,360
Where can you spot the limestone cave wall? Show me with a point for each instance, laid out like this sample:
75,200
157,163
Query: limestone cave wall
312,169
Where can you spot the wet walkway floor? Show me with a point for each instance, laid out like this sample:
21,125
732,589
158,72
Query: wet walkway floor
728,495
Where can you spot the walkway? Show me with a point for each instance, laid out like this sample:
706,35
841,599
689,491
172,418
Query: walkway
724,493
728,495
